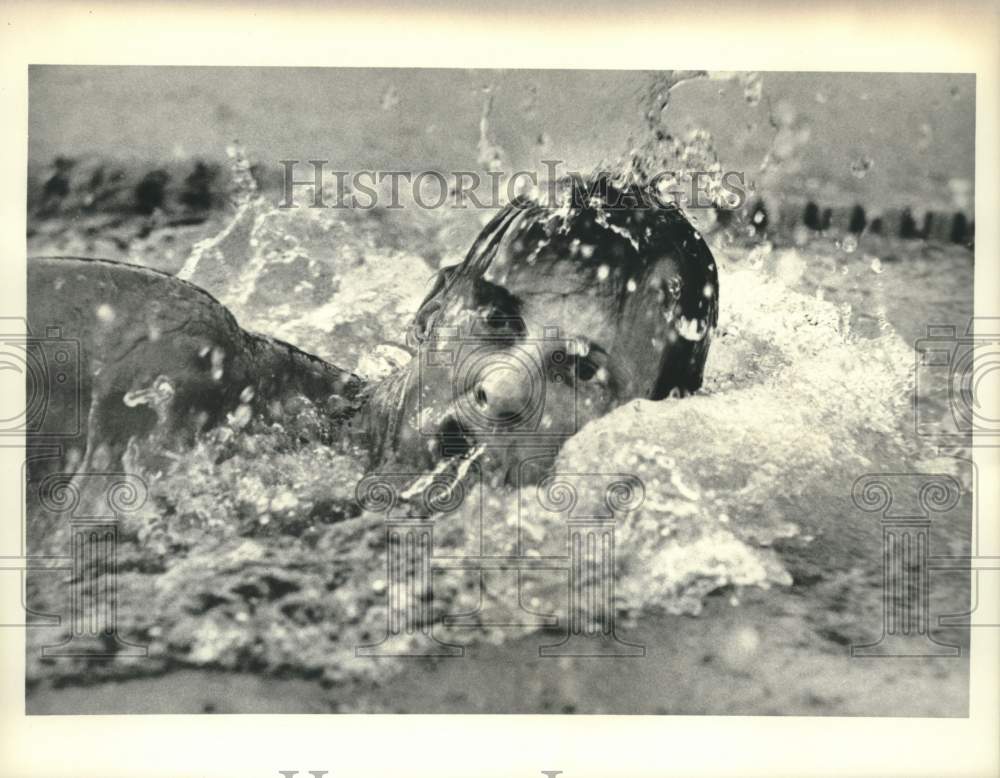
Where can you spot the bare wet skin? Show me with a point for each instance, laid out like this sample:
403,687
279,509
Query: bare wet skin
551,322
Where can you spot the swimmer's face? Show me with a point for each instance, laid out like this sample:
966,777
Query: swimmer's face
516,360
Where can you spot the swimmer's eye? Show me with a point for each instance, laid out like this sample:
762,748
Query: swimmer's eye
579,367
500,321
586,368
499,310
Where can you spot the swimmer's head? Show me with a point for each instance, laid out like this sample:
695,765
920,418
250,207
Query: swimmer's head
556,316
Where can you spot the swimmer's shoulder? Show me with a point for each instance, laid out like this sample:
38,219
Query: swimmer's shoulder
89,270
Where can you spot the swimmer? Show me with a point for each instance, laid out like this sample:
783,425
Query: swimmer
555,317
151,355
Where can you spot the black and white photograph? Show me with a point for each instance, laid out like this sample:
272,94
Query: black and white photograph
513,390
376,412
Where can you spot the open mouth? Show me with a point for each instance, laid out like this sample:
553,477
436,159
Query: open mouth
453,440
457,453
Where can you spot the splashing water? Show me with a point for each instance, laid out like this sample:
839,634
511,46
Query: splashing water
490,155
796,403
322,280
753,87
657,91
457,469
861,167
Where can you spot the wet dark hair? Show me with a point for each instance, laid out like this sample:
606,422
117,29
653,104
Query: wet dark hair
628,230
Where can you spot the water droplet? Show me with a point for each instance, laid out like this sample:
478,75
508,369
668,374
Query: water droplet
241,416
631,285
138,397
692,329
390,99
105,313
876,265
753,87
603,272
849,244
579,347
218,358
674,286
861,166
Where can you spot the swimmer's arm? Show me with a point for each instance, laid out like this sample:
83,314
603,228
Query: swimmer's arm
283,370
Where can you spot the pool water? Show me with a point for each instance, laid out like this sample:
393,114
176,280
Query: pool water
746,557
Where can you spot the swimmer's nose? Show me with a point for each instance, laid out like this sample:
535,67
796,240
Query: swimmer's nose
503,394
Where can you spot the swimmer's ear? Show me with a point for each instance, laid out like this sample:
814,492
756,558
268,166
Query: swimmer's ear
432,303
